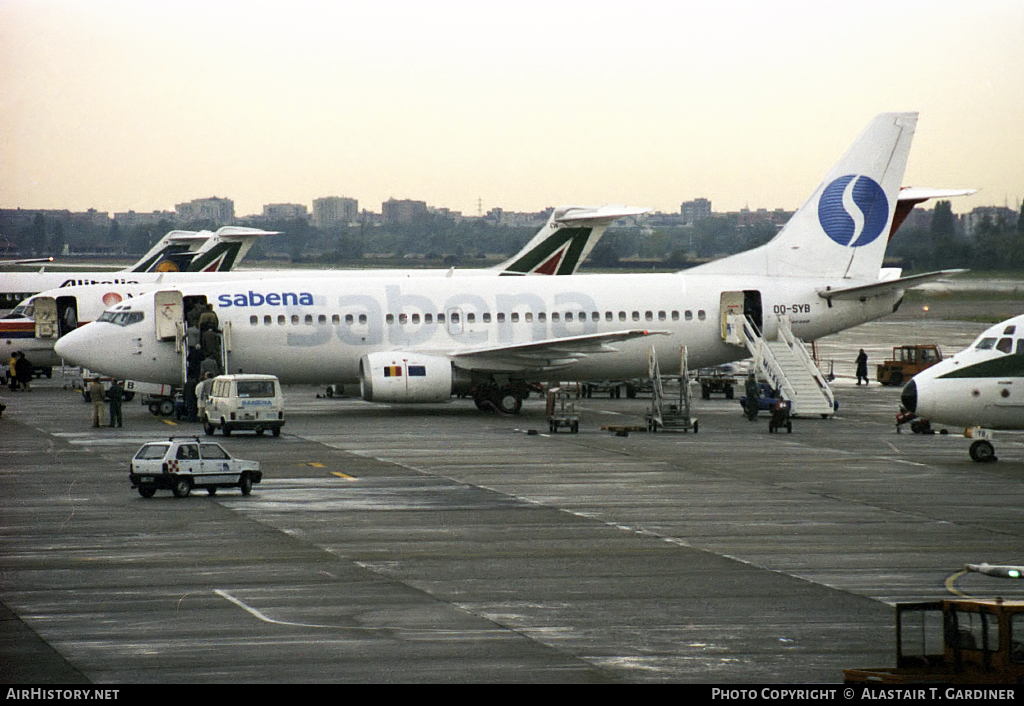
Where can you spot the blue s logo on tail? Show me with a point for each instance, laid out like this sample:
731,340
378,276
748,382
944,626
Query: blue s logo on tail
853,210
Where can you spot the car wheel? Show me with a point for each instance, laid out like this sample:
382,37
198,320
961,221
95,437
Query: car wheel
166,408
182,487
212,490
147,491
259,431
245,484
225,429
207,427
276,431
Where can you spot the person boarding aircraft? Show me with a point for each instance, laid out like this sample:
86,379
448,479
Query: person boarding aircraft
421,339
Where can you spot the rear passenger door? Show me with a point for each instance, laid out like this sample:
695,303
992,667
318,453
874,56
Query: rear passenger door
188,460
217,465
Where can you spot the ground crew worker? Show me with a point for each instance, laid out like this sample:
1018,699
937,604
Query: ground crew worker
752,392
116,395
98,398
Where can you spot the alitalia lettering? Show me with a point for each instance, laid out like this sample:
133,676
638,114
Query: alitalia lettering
80,282
270,299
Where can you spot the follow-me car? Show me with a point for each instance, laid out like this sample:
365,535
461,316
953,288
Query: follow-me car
180,464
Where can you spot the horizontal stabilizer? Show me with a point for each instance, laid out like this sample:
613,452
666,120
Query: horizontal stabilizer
917,194
589,214
887,287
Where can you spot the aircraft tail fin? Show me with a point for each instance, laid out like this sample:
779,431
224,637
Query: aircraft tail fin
199,251
563,243
842,229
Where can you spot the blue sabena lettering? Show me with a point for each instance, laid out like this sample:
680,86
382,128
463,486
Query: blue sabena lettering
270,299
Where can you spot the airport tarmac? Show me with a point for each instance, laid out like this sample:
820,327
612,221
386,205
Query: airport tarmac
442,544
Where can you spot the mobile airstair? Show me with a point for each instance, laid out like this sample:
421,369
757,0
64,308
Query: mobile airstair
786,364
670,411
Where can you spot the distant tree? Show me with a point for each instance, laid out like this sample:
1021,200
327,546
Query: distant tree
604,255
944,249
58,239
37,235
114,234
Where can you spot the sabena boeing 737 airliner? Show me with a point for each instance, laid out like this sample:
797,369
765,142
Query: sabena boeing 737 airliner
558,248
419,339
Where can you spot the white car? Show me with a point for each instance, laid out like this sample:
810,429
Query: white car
181,464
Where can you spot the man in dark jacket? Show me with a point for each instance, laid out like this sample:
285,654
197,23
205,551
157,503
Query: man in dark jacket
115,395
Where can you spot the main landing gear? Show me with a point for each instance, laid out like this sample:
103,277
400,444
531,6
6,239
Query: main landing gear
507,399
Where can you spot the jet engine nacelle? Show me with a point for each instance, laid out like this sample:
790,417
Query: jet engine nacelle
397,376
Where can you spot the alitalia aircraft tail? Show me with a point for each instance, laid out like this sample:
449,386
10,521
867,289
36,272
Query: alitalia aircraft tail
203,251
842,230
565,240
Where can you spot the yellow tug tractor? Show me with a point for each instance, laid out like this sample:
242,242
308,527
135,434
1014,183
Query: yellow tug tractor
978,641
906,362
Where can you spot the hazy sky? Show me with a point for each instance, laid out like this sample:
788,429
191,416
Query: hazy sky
142,104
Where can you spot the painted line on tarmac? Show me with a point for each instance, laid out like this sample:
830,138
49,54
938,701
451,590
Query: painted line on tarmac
267,619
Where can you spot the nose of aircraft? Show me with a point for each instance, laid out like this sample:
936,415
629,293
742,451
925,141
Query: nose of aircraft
909,397
74,347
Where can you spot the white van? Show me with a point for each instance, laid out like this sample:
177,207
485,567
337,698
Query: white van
233,402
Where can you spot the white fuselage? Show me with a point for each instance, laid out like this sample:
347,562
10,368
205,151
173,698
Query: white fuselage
321,329
982,385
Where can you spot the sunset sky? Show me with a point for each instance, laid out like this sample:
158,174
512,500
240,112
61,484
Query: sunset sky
138,105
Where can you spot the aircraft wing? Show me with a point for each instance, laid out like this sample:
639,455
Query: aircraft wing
550,354
878,288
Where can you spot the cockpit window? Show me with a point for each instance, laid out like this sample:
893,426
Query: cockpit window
121,318
1009,330
1005,345
985,344
19,311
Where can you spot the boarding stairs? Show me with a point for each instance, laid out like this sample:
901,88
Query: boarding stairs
786,364
669,412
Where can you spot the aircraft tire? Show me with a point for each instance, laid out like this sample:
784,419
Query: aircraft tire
982,451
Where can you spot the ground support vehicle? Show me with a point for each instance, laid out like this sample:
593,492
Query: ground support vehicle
906,362
720,380
561,408
183,463
780,418
612,387
954,642
241,402
767,397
